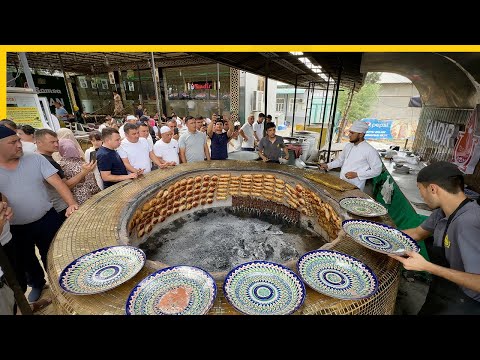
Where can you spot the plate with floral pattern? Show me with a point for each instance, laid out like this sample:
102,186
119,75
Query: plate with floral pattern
363,207
379,237
102,269
337,275
176,290
264,288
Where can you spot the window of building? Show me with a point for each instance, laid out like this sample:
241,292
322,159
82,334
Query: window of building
298,107
194,90
280,104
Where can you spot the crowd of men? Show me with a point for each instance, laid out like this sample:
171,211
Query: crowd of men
45,175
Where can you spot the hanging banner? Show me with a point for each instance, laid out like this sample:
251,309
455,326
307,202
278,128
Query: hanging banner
111,77
467,151
441,133
51,87
83,82
378,129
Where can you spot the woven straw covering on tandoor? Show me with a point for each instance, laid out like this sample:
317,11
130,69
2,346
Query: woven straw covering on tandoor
102,221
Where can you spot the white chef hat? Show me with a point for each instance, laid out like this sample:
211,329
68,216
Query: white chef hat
359,127
164,129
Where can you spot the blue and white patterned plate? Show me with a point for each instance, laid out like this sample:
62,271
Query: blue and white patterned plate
363,207
379,237
102,269
176,290
337,275
264,288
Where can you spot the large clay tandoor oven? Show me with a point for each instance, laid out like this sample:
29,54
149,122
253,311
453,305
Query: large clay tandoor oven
130,212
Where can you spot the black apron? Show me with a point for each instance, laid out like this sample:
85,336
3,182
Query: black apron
445,297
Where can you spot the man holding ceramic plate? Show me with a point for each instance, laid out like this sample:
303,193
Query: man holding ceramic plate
455,251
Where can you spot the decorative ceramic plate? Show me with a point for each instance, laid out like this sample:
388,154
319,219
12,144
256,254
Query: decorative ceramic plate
363,207
337,275
264,288
102,269
176,290
379,237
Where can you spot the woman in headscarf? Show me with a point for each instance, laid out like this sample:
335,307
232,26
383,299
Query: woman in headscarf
71,164
65,133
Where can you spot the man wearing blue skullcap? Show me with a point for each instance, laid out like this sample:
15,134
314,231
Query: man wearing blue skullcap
35,221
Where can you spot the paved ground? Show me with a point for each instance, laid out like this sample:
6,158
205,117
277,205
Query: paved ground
46,294
411,295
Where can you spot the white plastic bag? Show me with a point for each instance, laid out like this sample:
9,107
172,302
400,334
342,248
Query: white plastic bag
387,190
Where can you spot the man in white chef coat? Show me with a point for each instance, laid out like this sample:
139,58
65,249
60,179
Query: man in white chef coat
359,160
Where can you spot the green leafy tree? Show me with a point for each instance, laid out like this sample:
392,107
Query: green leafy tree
356,106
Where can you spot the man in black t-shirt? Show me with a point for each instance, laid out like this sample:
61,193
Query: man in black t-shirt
110,165
219,144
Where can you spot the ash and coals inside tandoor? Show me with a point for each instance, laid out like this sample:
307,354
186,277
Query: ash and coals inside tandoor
218,239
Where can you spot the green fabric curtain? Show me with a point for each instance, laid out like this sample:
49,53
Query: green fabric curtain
400,210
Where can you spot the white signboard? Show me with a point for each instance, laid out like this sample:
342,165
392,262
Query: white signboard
24,108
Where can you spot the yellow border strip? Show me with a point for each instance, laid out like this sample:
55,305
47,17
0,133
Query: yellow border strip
3,87
241,48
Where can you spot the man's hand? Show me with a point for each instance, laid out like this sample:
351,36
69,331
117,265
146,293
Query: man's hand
323,167
414,261
351,175
71,209
6,212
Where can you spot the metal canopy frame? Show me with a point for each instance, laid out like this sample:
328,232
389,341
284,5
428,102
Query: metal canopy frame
282,66
98,62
